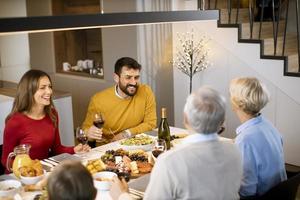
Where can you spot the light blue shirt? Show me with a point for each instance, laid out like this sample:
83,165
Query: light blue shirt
261,149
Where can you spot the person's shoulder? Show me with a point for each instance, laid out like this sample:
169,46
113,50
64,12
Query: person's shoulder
229,145
16,116
174,154
145,87
104,92
15,120
145,90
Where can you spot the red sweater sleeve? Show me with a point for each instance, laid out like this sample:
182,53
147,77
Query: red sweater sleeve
11,138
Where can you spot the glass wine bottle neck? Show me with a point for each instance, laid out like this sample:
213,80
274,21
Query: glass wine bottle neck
163,113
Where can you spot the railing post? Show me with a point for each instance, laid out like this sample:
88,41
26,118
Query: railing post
285,26
237,11
229,6
201,4
251,12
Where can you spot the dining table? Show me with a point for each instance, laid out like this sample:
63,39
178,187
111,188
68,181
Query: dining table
137,186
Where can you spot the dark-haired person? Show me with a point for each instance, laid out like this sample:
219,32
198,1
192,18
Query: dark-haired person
34,120
128,107
71,181
259,142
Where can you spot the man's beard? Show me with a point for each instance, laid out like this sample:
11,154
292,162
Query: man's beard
126,91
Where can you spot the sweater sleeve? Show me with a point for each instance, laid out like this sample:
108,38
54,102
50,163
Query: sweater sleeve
57,147
11,139
161,185
149,121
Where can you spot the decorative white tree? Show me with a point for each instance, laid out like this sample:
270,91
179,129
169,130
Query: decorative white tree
191,56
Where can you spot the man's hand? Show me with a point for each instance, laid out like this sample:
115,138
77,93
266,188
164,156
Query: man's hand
94,133
118,136
118,187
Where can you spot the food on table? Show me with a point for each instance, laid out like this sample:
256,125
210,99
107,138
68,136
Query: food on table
94,166
132,162
141,139
103,179
157,152
134,167
140,156
43,196
178,136
144,167
35,168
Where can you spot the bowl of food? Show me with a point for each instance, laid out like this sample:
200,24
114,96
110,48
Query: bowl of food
140,141
30,175
31,180
103,180
9,188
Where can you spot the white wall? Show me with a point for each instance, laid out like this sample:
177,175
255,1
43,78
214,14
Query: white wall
14,49
231,59
66,128
154,51
5,107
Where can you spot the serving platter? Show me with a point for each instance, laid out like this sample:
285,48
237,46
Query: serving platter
141,141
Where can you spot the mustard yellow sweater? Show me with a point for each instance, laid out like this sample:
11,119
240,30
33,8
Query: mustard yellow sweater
137,113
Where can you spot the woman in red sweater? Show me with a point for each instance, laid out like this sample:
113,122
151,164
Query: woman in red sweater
34,120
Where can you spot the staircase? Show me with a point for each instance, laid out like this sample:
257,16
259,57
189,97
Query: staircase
267,36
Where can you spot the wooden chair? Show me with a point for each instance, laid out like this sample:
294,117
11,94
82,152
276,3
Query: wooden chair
1,167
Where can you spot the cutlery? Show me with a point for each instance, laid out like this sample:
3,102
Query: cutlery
136,192
46,166
51,162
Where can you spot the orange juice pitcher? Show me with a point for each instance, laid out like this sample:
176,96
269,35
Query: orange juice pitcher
22,158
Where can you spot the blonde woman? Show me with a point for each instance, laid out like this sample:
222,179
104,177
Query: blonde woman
258,140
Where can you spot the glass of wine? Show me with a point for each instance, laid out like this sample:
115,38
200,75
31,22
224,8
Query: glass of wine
81,136
98,120
160,146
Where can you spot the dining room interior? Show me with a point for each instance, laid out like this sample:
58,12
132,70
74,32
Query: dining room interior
155,46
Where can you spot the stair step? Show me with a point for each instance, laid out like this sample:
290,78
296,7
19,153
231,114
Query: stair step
293,63
291,46
266,30
243,16
224,4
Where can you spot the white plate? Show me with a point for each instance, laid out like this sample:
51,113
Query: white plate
147,147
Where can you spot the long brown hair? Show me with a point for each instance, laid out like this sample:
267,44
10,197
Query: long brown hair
26,89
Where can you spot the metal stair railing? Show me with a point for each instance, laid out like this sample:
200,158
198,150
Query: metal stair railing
278,7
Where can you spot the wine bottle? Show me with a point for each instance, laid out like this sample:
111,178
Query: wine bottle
163,129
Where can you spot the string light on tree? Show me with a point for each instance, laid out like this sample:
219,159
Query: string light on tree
191,56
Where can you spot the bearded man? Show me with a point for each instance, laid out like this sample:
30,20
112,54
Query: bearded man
128,108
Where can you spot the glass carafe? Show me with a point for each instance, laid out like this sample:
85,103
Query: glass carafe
22,158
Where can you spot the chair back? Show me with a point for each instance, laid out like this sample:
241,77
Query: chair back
286,190
1,167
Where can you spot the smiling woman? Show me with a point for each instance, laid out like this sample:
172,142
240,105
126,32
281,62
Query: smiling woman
34,120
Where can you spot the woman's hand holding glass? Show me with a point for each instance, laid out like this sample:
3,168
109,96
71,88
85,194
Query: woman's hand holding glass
82,148
82,138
